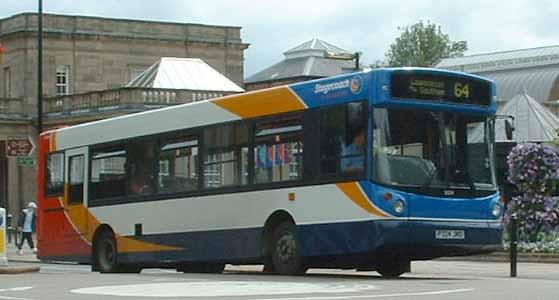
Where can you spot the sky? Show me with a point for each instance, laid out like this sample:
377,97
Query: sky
272,27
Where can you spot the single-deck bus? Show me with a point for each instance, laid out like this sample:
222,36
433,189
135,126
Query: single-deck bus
369,170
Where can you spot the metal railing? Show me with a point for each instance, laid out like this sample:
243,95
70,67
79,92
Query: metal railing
125,98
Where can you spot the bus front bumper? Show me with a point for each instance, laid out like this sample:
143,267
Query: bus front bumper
401,238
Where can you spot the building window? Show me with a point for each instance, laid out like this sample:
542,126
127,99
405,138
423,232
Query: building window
343,133
108,173
226,156
278,150
7,83
55,174
62,80
178,164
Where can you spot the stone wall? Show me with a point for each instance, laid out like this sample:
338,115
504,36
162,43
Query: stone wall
107,53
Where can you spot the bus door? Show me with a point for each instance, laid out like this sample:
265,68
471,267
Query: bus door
76,190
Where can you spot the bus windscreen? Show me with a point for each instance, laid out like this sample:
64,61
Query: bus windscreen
440,88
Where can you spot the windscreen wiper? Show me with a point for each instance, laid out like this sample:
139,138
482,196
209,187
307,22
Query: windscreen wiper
469,181
467,178
427,183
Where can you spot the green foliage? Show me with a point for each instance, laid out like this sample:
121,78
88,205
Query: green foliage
422,45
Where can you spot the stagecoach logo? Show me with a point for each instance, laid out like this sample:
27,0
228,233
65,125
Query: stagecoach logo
354,85
331,87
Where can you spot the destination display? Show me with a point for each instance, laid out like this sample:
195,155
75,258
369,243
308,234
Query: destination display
440,88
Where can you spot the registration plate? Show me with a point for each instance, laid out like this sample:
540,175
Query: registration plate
450,234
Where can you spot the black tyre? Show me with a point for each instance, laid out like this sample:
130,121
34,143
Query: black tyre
286,250
106,253
268,265
393,269
106,256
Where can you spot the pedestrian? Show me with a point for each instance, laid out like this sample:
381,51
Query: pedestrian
27,224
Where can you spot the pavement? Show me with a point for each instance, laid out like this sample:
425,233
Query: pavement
25,263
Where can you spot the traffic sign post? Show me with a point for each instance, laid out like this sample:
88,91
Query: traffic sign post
19,146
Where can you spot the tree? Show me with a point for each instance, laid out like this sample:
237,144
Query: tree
422,45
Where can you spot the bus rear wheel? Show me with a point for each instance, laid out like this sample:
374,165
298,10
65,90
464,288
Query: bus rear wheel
106,256
286,250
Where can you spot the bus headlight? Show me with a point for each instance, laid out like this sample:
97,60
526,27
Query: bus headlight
399,206
496,211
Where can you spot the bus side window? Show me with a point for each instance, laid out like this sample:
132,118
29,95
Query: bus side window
343,135
226,155
54,174
178,164
77,164
140,164
108,174
278,149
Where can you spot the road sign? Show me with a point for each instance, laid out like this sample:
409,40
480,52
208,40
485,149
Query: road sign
19,146
25,161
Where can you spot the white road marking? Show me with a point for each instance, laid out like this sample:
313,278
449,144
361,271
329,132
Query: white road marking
376,296
223,289
13,298
17,289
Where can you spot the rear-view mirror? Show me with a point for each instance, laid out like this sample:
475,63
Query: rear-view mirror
509,129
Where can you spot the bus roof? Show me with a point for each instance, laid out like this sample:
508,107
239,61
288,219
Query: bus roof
300,96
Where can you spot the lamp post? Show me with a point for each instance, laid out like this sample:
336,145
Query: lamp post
40,69
346,56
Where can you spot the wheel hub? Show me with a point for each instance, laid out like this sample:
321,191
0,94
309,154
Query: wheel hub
287,248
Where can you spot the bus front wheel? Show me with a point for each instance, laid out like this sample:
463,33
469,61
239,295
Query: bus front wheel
393,269
286,250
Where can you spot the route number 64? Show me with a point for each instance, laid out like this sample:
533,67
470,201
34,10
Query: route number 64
462,90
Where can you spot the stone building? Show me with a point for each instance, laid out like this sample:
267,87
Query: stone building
310,60
86,62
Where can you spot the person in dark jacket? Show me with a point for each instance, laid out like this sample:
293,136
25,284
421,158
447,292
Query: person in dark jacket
27,224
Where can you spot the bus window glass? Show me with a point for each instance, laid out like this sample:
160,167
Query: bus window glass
343,133
108,173
278,150
140,163
77,164
55,174
178,163
432,149
477,153
226,156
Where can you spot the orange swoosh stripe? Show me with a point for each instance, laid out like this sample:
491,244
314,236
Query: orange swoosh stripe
261,103
86,222
354,192
52,141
